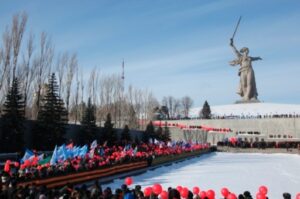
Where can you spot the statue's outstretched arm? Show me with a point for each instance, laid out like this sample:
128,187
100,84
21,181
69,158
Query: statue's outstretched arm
255,58
238,54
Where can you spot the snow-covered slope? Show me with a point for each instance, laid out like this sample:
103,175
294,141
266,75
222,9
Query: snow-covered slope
237,172
252,109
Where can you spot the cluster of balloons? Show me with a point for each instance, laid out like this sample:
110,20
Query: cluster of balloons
227,194
157,190
210,194
8,164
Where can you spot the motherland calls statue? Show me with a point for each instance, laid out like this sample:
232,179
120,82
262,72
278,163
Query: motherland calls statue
247,87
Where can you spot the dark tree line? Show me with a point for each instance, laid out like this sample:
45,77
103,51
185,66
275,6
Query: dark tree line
12,121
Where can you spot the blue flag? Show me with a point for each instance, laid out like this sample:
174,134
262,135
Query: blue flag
83,150
75,151
27,155
94,144
54,157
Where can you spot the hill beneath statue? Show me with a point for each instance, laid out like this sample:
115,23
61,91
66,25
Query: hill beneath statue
251,110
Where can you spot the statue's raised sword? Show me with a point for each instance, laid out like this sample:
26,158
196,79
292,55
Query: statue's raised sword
236,27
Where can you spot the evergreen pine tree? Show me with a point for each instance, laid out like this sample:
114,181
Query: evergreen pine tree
159,134
52,118
149,133
109,134
166,133
125,136
205,112
88,130
13,118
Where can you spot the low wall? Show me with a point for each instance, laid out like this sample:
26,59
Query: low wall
265,126
76,178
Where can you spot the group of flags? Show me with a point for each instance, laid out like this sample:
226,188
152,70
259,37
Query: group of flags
31,156
64,152
61,153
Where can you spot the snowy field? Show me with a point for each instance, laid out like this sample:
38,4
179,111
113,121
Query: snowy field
251,109
238,172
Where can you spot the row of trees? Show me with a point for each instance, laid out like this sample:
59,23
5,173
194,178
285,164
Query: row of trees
26,62
49,128
173,108
52,119
31,59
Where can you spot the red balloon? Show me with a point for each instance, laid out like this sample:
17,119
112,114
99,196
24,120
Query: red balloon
147,191
210,194
179,188
27,162
196,190
17,164
128,181
224,192
202,194
22,167
184,192
164,195
157,189
260,196
263,190
7,168
298,196
231,196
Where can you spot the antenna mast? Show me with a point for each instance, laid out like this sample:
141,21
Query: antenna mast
123,75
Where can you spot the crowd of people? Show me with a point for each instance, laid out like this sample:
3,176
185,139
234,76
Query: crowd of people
124,192
62,162
258,116
236,142
98,157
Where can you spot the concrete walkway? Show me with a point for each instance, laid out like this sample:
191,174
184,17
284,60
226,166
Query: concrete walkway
256,150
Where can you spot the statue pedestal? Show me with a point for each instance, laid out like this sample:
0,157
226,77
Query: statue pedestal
247,101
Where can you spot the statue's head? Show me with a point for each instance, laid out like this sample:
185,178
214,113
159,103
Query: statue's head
244,50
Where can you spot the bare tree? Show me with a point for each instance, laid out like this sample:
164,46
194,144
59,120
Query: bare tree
71,69
27,70
93,80
6,63
61,65
171,103
134,107
106,98
82,93
149,102
164,101
42,68
18,28
187,103
177,106
76,95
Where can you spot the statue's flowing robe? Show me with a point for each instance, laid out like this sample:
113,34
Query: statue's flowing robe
247,86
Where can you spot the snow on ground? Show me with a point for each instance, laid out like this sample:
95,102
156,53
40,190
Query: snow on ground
252,109
238,172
